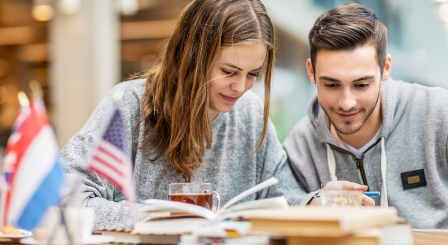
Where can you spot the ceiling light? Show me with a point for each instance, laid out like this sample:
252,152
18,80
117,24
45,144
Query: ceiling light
128,7
42,10
69,6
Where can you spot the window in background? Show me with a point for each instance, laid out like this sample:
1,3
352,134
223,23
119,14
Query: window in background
23,57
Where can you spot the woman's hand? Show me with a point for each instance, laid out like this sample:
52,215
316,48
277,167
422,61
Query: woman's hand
345,185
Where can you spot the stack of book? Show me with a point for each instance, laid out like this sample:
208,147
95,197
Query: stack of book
224,232
128,236
192,233
159,231
297,225
340,226
169,220
261,219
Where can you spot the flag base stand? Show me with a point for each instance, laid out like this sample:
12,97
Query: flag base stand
61,226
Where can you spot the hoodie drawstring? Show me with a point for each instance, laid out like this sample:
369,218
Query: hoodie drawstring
332,168
384,201
331,163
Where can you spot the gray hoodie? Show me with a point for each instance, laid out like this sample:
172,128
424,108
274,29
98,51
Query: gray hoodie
414,133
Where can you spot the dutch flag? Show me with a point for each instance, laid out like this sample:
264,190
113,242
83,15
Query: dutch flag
32,175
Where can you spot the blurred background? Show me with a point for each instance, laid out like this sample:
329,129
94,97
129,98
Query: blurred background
79,49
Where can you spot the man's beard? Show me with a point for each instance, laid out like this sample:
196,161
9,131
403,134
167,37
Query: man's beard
348,126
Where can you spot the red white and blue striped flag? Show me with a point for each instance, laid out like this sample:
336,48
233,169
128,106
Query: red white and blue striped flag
31,174
111,159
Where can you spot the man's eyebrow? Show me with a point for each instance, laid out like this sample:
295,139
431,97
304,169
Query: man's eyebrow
236,67
330,79
364,78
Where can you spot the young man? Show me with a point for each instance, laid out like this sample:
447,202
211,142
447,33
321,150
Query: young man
363,127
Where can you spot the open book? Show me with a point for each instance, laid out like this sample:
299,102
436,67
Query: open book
227,211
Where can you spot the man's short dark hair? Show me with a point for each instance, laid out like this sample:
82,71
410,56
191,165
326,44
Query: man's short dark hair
347,27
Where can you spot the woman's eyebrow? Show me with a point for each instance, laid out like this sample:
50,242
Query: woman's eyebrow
232,65
236,67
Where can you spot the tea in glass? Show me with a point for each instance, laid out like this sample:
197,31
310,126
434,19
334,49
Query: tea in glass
196,193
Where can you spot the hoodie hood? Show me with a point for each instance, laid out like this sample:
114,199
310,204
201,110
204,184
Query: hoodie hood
320,122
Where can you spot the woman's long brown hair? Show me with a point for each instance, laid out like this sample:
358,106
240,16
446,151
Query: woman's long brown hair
175,100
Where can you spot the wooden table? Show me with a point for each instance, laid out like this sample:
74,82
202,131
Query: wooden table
430,238
420,238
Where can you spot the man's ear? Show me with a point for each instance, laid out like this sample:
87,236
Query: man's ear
310,70
387,67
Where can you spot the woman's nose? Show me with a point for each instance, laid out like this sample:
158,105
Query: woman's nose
239,85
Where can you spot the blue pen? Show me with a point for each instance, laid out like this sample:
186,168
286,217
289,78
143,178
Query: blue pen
367,193
372,193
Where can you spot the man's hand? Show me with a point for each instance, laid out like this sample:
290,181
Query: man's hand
345,185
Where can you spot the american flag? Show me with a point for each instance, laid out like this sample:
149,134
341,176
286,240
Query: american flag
111,159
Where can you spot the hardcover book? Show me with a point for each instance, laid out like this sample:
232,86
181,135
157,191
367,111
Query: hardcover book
319,221
127,236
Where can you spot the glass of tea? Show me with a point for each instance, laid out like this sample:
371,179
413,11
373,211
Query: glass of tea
196,193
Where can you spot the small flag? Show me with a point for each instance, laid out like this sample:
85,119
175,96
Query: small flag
111,159
31,174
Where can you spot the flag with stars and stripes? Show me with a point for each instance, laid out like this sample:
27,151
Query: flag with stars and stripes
111,159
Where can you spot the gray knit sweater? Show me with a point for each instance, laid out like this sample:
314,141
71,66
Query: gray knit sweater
228,165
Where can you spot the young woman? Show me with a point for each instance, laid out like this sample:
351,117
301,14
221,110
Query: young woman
193,119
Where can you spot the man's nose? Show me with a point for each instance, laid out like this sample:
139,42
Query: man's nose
347,101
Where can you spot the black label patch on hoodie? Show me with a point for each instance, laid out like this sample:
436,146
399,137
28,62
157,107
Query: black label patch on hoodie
413,179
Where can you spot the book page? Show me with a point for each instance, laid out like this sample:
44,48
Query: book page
268,203
157,205
256,188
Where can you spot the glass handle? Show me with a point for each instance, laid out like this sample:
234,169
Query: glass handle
218,197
